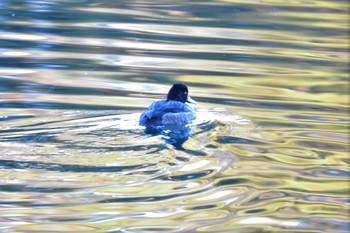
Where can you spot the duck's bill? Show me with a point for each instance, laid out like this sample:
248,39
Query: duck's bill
190,100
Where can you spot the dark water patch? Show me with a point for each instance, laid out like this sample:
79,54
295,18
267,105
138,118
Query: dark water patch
236,140
65,106
255,211
99,147
26,188
32,138
280,124
14,164
16,203
209,10
203,207
327,146
14,117
318,118
194,152
12,134
212,146
232,181
330,172
190,176
182,159
140,199
333,88
69,219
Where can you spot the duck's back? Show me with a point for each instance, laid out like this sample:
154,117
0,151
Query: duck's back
164,112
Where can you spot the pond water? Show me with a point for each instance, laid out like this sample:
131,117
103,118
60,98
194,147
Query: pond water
268,152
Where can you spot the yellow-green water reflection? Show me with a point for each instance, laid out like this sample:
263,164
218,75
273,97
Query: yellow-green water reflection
268,153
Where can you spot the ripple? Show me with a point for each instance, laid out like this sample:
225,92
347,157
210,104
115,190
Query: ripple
268,149
7,164
324,145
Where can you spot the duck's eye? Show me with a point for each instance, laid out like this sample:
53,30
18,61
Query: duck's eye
185,92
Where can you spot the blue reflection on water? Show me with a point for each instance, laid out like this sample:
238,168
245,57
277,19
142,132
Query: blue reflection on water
173,135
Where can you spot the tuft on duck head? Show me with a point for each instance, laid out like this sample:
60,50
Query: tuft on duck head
179,92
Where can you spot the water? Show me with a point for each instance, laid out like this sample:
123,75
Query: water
268,152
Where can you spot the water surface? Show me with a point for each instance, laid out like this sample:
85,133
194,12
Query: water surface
268,152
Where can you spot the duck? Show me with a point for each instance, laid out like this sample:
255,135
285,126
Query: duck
174,111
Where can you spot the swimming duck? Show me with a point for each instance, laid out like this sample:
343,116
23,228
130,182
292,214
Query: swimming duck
172,111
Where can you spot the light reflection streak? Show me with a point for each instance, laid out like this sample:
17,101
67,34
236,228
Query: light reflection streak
217,195
269,221
21,36
194,166
16,71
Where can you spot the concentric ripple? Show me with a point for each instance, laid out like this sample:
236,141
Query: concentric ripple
268,151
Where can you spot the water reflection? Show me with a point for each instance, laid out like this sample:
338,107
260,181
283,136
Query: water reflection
174,135
268,152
